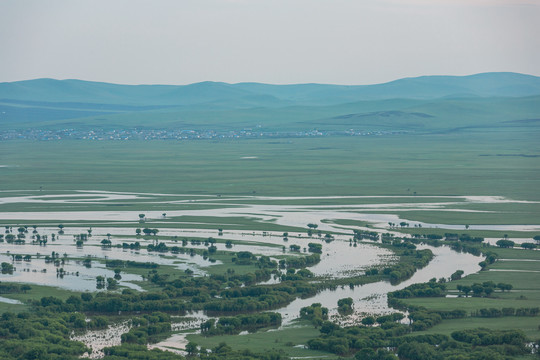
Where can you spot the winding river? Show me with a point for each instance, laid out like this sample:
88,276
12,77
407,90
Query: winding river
339,258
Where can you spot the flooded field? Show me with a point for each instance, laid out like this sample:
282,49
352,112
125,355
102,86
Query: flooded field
371,298
378,210
97,340
64,264
77,276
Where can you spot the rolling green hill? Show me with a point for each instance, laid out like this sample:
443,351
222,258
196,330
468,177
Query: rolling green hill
425,87
424,104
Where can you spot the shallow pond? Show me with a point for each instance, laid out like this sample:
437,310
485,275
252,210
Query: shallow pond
39,272
352,260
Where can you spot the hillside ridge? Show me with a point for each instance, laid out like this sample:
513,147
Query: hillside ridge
248,94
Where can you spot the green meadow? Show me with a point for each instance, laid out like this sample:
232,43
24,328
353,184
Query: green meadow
291,340
453,164
35,293
520,268
528,325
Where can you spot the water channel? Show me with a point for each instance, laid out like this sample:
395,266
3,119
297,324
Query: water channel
339,258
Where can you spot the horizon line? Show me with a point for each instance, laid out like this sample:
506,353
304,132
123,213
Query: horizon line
272,84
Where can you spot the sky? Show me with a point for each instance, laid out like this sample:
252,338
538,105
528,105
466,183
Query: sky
270,41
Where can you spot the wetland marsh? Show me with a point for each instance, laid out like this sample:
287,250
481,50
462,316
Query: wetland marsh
232,224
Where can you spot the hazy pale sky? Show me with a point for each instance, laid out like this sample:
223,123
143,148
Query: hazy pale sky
271,41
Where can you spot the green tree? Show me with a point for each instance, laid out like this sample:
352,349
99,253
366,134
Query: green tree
466,289
503,243
191,348
477,289
416,351
457,275
368,321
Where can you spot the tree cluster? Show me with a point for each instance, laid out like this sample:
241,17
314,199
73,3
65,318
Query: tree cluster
45,336
315,313
483,290
363,235
382,341
147,328
492,312
411,261
428,289
345,306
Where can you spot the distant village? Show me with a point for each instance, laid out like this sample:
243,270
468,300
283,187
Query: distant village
175,134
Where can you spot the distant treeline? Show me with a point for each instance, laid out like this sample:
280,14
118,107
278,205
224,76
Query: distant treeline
233,325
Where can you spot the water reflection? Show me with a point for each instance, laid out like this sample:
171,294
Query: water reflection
75,276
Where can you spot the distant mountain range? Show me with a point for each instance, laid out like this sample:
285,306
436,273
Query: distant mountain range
257,94
421,101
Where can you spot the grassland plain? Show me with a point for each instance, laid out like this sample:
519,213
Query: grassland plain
36,292
491,163
291,340
517,267
449,164
528,325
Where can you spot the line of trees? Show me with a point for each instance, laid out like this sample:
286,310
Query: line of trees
381,342
233,325
509,311
485,289
428,289
369,235
14,288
